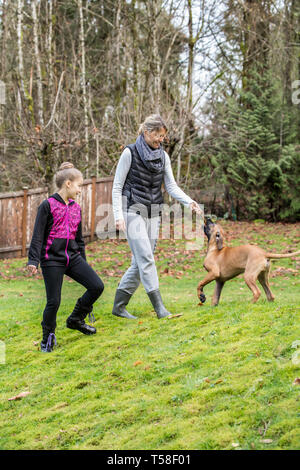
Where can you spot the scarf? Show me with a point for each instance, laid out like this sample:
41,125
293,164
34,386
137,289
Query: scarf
153,159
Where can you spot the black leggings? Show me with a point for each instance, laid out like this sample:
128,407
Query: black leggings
80,271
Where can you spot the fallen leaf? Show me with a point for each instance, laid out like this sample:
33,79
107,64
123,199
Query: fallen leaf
18,397
266,441
137,363
235,444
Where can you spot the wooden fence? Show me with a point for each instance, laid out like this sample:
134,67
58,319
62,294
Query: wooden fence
18,211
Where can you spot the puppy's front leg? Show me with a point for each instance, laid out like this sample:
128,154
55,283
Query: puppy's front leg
211,276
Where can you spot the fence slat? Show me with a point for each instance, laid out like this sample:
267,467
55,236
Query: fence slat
24,221
93,215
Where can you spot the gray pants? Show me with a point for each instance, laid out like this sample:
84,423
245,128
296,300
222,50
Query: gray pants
142,234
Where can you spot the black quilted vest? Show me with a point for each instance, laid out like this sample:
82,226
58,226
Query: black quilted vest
142,187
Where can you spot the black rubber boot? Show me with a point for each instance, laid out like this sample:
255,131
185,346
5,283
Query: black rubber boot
158,305
121,300
76,320
48,341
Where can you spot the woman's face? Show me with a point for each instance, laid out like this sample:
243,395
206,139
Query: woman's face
155,138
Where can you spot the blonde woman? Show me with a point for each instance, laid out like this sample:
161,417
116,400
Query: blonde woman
137,198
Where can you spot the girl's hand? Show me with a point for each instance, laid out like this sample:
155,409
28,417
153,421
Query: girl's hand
195,207
32,269
120,225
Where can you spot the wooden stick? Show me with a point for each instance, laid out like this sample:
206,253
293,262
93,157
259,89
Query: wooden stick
93,208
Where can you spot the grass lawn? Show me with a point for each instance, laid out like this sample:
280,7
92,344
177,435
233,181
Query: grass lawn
214,378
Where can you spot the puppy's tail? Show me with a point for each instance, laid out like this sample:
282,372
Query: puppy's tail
285,255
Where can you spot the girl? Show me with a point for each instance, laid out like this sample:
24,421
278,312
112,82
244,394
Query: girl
137,202
57,244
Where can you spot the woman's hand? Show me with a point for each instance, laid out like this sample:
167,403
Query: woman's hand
120,225
195,207
32,269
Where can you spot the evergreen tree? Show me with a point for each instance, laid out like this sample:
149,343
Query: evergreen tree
259,172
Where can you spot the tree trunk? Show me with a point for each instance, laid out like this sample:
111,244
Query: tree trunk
155,60
4,40
50,56
21,91
255,44
188,107
297,41
134,62
84,87
38,65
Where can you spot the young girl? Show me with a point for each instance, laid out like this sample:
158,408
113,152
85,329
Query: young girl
57,244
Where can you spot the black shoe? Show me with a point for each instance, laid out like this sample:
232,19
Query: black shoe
81,326
48,342
76,320
156,300
121,300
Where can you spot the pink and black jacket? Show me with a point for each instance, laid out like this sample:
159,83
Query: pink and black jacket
57,236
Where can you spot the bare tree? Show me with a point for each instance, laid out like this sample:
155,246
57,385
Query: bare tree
153,12
194,35
21,91
84,86
40,101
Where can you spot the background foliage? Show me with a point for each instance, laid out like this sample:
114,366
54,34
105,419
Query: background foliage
80,76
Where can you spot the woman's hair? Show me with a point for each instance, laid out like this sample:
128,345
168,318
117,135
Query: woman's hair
66,172
154,122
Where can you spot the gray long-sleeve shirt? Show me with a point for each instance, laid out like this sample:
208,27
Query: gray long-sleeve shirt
122,170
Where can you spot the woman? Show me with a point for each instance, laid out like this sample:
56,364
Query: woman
137,199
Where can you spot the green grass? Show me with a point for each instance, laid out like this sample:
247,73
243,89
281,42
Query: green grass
209,379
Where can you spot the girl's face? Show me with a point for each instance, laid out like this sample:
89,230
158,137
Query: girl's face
74,187
155,138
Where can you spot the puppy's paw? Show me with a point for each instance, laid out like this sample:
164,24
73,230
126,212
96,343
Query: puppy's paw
202,297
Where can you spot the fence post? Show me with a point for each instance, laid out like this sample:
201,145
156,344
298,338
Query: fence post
24,221
93,207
